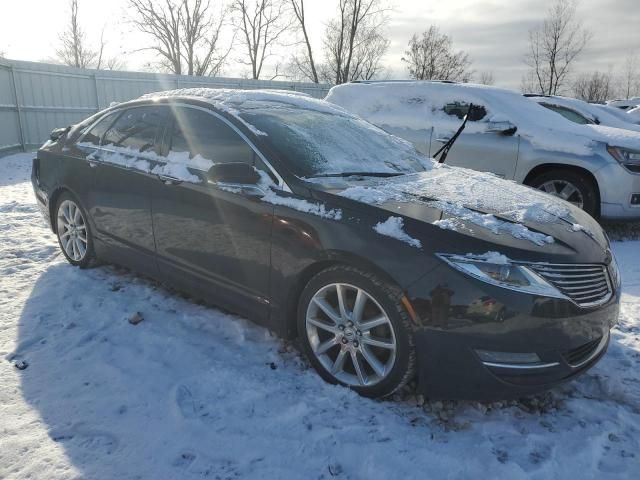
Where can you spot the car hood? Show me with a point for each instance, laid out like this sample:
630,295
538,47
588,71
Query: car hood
616,137
476,205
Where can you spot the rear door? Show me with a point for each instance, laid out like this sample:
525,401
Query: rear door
477,147
120,200
212,241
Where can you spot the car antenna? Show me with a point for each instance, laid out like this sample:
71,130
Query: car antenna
447,146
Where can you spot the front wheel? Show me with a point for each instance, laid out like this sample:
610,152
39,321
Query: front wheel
571,186
356,332
73,231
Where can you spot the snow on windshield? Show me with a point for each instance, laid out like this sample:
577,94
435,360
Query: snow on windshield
313,143
420,105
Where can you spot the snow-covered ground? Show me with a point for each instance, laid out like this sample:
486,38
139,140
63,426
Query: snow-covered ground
192,392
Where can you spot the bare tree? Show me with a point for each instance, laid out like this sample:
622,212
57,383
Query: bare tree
305,65
262,25
593,87
185,33
630,78
486,78
554,45
74,50
354,43
431,57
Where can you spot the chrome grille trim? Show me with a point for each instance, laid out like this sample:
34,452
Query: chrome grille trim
587,285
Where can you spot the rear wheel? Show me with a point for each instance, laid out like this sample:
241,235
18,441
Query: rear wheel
356,332
574,187
73,231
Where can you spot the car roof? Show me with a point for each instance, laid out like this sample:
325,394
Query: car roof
234,101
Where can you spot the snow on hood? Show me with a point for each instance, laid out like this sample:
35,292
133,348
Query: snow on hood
419,105
616,137
501,206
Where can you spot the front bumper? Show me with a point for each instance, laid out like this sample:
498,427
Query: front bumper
617,185
567,339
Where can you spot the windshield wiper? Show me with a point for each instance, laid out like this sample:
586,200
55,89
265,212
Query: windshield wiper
358,174
447,146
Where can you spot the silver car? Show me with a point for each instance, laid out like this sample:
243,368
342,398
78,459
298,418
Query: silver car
592,166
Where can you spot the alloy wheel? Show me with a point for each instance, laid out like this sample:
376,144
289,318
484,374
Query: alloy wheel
72,230
565,190
350,334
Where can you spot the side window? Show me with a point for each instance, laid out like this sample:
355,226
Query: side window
97,132
136,128
460,109
200,133
569,114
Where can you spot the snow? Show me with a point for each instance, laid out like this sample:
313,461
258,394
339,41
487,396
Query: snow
634,113
419,105
230,100
466,194
394,227
302,205
192,392
176,164
589,110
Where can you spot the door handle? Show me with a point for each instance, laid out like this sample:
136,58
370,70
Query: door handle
442,139
169,180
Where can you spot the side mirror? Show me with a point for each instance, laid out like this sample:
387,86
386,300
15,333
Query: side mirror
233,173
505,128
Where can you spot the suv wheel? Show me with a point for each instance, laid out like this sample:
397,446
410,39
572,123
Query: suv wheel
574,187
355,331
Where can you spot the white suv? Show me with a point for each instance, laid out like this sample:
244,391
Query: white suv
592,166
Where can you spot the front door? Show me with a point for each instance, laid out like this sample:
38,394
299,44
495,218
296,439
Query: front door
477,148
213,241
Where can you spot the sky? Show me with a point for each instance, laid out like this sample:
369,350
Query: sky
492,32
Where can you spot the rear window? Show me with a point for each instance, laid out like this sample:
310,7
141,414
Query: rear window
99,129
136,128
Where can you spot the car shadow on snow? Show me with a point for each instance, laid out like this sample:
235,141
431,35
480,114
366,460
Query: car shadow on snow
192,392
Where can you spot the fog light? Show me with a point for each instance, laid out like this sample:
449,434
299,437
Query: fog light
635,199
507,357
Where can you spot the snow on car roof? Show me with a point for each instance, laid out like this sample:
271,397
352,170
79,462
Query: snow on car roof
591,111
232,101
418,105
226,98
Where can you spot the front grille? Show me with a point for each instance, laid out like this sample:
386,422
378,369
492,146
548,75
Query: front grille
582,353
587,285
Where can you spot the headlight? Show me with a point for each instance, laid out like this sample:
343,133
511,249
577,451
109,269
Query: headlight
629,158
498,270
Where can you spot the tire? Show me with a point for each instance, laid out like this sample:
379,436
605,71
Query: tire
74,234
585,189
332,341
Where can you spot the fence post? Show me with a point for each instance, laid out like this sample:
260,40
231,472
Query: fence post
18,109
95,86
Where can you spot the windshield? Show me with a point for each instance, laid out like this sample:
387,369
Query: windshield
314,143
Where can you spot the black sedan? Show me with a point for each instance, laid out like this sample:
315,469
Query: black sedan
316,224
